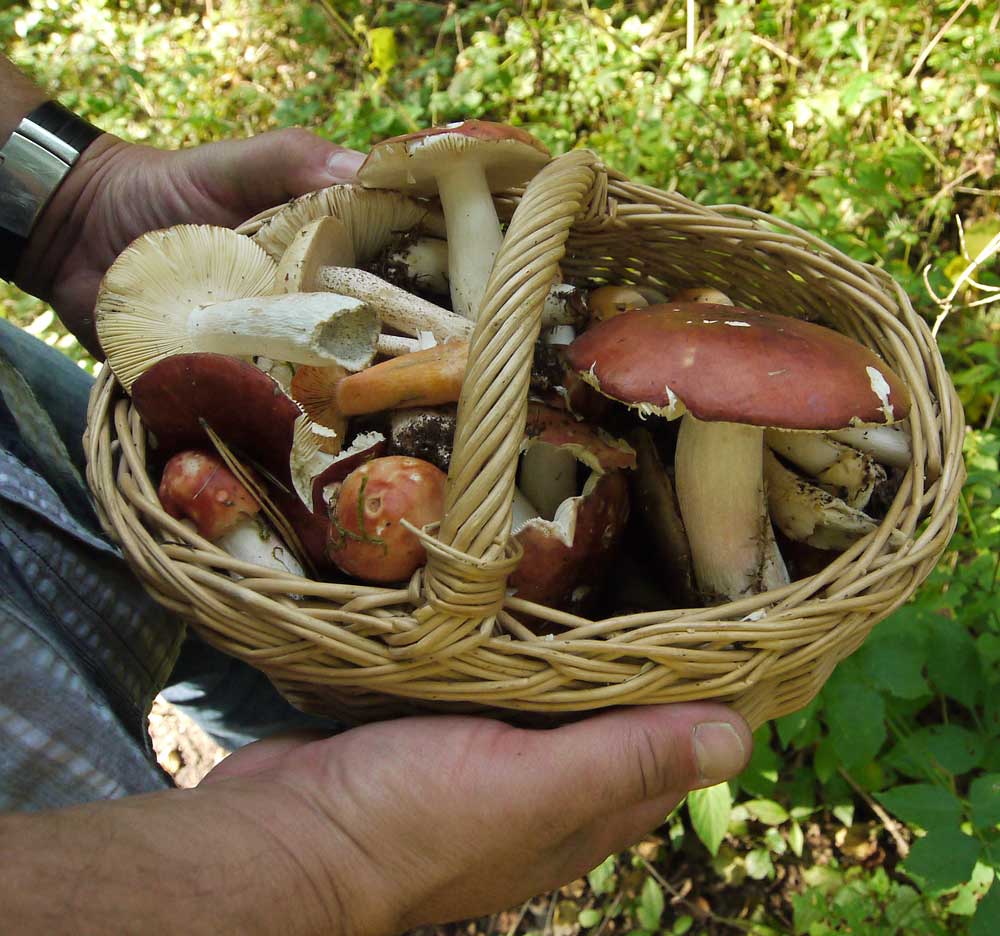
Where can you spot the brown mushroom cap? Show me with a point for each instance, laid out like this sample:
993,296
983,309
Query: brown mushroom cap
410,162
729,364
178,396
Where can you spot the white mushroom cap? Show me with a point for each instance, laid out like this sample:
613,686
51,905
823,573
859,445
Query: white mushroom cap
373,219
462,163
201,288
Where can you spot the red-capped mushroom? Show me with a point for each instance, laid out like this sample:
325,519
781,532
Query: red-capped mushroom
197,486
463,163
567,531
730,373
367,539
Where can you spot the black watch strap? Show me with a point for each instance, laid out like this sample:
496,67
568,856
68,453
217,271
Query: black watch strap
33,164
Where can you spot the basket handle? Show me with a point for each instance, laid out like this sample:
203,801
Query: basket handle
473,553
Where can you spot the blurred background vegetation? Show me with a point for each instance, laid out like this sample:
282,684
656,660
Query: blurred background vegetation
871,123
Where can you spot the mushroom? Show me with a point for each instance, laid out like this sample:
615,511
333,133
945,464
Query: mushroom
567,531
731,373
421,378
197,486
374,220
200,288
808,514
606,302
463,163
321,257
367,539
831,463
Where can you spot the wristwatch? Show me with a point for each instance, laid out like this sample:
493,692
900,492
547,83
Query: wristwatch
33,163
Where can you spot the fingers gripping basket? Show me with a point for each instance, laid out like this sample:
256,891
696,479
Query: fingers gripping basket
452,639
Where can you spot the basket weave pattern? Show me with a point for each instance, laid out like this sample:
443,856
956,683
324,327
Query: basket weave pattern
453,639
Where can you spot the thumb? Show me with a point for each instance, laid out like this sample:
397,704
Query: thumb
621,759
266,170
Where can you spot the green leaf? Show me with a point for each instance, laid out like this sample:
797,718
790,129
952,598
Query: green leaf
969,894
590,917
790,727
893,657
984,798
923,804
951,747
766,811
855,715
796,839
384,52
709,810
759,864
682,924
942,859
651,904
987,913
602,878
760,776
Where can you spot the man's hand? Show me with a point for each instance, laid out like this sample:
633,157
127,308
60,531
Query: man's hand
379,829
119,190
434,819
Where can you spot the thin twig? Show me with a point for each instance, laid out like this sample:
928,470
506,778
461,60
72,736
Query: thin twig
891,826
520,917
919,63
691,905
777,50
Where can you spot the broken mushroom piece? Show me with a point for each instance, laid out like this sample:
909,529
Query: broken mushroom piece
833,464
197,288
367,539
420,378
731,373
463,163
808,514
197,486
567,530
321,259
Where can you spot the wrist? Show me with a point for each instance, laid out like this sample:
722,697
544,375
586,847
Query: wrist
60,226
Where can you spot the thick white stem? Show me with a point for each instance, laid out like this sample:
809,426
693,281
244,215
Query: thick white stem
720,492
396,307
307,328
522,511
884,443
254,541
474,236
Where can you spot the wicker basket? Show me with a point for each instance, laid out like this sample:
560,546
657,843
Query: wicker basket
452,639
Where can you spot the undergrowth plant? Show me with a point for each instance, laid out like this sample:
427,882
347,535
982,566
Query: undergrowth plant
872,124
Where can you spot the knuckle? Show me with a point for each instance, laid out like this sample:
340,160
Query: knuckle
657,765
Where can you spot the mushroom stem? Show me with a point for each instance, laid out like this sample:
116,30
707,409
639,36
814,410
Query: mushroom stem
474,236
886,444
807,513
307,328
396,307
829,462
720,492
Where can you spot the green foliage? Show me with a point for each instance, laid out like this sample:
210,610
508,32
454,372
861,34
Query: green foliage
864,123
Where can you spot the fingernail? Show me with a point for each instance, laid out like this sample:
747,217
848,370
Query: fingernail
343,164
718,751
